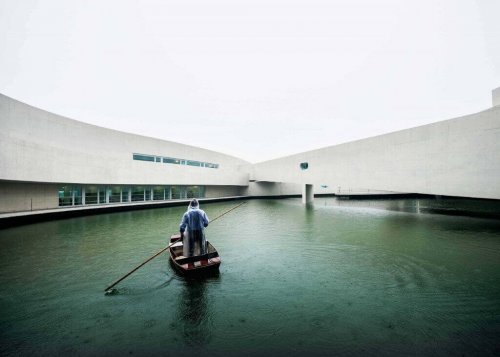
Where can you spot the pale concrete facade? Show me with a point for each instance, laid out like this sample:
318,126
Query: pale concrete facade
38,146
272,189
41,151
225,191
457,157
496,97
26,196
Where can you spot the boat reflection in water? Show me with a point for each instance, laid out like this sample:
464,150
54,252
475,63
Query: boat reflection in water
194,311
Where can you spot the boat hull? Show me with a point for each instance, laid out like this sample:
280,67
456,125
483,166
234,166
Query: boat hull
196,265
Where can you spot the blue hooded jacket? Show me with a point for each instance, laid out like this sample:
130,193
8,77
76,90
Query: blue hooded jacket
194,219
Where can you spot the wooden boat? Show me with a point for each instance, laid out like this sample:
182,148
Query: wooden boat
194,265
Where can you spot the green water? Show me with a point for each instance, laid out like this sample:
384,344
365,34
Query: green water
343,278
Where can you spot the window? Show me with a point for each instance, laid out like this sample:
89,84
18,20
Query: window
137,193
114,194
102,194
304,166
193,163
141,157
195,191
176,192
77,195
90,195
175,161
169,160
65,196
125,191
192,191
70,195
160,193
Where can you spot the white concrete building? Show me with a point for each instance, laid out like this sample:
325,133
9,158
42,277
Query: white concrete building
51,162
456,157
48,161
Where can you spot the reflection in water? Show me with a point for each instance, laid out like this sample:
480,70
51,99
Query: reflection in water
194,310
429,205
339,277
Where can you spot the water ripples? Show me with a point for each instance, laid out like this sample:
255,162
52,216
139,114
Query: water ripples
331,280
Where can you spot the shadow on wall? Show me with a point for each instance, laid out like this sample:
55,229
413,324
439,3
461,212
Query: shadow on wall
277,189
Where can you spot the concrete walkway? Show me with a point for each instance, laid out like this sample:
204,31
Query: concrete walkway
25,217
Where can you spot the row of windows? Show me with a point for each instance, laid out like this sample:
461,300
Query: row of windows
74,195
171,160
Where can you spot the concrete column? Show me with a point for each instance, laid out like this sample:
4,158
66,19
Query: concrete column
307,194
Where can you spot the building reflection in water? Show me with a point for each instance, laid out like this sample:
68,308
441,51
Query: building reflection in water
195,312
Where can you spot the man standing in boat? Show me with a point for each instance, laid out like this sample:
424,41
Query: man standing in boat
195,220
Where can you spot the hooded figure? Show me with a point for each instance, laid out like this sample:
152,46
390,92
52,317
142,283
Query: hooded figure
195,220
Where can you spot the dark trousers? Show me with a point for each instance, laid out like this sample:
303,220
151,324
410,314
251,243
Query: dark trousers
196,237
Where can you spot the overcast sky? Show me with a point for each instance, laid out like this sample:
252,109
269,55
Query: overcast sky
250,78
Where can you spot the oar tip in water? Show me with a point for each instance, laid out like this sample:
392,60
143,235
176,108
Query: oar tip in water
112,291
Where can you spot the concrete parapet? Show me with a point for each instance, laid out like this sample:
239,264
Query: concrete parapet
495,94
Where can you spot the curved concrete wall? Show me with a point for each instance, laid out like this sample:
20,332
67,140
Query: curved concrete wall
457,157
38,146
39,150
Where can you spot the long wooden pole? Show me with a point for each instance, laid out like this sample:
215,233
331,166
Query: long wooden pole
139,266
164,249
219,216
